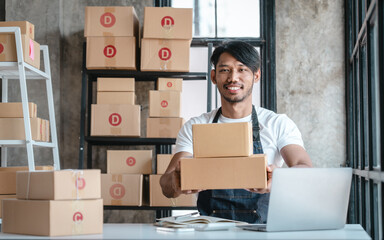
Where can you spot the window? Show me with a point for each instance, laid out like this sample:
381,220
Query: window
364,103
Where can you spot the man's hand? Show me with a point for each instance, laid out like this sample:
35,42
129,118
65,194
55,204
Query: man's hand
269,170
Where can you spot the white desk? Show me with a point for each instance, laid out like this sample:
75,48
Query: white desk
148,231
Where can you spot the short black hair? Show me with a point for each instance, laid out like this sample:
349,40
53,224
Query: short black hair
242,51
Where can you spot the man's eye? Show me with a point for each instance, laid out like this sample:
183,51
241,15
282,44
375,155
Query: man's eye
243,69
224,70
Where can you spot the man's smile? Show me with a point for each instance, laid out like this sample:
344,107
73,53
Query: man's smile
233,88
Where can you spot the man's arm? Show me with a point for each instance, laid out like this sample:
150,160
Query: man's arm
295,156
170,181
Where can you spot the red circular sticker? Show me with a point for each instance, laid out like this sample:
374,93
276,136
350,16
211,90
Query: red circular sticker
1,48
131,161
167,22
115,119
165,54
117,191
78,217
107,20
169,84
110,51
80,183
164,104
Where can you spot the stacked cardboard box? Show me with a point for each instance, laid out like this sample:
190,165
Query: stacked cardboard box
112,37
123,183
12,123
115,113
156,197
165,109
31,49
8,181
223,158
55,203
166,39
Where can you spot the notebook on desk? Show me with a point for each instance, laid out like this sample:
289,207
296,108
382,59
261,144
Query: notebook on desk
307,199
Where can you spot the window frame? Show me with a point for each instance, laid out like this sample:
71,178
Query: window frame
365,206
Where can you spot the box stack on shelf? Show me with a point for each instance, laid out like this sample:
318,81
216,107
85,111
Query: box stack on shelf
123,183
115,113
165,118
55,203
31,49
166,39
12,123
112,35
156,197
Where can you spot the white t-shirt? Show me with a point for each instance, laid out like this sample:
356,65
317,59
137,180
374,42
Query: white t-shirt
276,132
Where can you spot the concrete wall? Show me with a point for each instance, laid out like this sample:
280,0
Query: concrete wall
310,74
309,68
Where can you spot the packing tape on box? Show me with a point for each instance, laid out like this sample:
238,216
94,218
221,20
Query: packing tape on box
168,31
107,10
79,180
77,217
110,52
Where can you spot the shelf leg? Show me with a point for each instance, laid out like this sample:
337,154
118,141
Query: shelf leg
4,98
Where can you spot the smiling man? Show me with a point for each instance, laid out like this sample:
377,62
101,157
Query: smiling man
236,69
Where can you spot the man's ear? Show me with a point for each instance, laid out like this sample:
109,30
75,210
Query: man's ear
213,76
256,76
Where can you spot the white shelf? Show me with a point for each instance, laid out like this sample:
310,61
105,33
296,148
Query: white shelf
22,143
10,70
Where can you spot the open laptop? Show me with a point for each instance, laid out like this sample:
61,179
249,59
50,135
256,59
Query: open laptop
307,199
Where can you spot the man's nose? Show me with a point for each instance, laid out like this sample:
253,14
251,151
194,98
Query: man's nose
233,76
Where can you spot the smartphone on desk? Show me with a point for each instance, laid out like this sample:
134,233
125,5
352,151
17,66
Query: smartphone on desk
175,229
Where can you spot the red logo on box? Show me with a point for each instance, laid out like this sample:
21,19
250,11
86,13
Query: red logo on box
165,54
164,104
131,161
1,48
117,191
115,119
107,20
78,217
80,183
110,51
169,84
167,22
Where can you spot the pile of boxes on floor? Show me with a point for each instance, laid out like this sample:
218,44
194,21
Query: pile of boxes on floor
223,159
126,180
54,203
113,38
31,49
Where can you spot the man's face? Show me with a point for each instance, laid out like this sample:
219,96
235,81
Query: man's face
233,79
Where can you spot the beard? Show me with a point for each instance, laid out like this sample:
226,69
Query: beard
236,99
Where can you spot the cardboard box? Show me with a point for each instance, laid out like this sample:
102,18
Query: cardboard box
170,84
111,21
122,189
163,161
26,27
58,185
223,173
4,197
129,161
164,127
157,199
222,139
169,23
31,50
13,129
116,98
164,103
115,120
115,84
165,55
15,110
46,137
8,177
111,53
52,218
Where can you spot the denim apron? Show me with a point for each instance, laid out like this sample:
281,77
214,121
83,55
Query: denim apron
236,204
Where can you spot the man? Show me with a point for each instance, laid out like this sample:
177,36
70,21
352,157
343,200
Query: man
236,69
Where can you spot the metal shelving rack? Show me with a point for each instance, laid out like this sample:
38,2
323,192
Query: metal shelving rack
162,145
23,71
